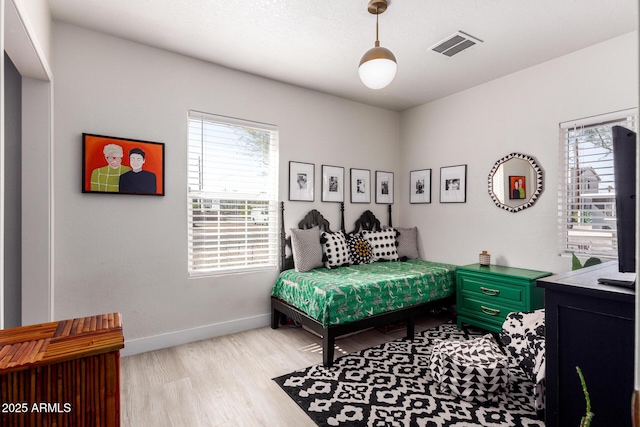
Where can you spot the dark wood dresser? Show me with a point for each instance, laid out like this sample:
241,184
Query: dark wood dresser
589,325
64,373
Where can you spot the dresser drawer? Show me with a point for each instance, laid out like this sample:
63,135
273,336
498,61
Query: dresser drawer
505,293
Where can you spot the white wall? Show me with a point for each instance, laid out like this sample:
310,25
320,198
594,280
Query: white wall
37,204
129,253
37,19
12,238
25,36
516,113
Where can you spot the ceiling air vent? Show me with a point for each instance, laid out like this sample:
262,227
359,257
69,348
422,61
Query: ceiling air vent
455,43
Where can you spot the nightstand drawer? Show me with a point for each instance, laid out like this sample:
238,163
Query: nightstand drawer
486,308
493,289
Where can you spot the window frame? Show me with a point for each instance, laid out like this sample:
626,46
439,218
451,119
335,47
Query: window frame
242,242
589,215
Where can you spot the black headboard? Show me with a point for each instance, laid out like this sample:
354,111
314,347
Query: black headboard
311,219
366,221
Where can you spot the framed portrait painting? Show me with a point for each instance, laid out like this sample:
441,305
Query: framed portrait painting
420,186
517,187
332,184
384,187
301,181
122,166
453,184
360,186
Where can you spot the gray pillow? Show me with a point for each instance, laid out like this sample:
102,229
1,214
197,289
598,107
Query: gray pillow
306,249
408,242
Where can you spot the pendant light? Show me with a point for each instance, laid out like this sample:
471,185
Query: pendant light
378,65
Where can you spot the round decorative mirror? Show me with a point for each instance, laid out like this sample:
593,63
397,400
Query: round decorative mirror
515,182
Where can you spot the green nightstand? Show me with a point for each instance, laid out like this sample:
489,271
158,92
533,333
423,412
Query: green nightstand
486,294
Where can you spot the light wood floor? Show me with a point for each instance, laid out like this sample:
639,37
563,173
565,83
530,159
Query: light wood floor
227,381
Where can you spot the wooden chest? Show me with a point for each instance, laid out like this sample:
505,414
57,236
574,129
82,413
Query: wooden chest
64,373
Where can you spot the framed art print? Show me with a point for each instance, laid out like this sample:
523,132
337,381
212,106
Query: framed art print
360,186
517,187
420,186
384,187
332,184
301,181
122,166
453,184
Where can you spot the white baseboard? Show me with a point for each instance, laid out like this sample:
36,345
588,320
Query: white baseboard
156,342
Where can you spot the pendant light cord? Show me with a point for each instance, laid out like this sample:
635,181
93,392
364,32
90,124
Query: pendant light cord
377,15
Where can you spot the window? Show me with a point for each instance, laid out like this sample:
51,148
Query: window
232,194
587,209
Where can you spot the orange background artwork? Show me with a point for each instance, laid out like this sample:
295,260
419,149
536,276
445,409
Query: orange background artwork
94,157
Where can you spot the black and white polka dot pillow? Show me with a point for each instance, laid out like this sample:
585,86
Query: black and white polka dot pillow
359,249
383,244
335,250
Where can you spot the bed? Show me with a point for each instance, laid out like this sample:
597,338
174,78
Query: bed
336,301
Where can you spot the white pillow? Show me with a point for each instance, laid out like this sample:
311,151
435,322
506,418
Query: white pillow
335,250
306,249
383,243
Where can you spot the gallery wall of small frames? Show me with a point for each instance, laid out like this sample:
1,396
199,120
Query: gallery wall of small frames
453,184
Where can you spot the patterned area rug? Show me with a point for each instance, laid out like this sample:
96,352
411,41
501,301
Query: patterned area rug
391,385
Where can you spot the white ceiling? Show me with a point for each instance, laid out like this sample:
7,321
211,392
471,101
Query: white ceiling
318,44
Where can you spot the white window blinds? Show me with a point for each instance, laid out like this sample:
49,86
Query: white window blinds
232,194
586,202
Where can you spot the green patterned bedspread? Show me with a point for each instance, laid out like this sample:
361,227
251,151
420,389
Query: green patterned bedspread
347,294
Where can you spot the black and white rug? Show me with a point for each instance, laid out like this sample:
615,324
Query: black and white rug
391,385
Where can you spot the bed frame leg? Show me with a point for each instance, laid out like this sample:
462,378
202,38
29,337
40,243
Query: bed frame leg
328,344
411,326
275,318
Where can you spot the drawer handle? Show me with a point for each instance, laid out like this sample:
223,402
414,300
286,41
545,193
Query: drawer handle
489,291
490,311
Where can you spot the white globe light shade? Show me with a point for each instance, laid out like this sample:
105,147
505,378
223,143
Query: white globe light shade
377,68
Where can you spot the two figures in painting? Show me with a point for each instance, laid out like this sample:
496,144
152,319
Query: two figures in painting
118,178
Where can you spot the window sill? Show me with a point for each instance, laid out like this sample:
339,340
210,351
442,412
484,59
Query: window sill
230,272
